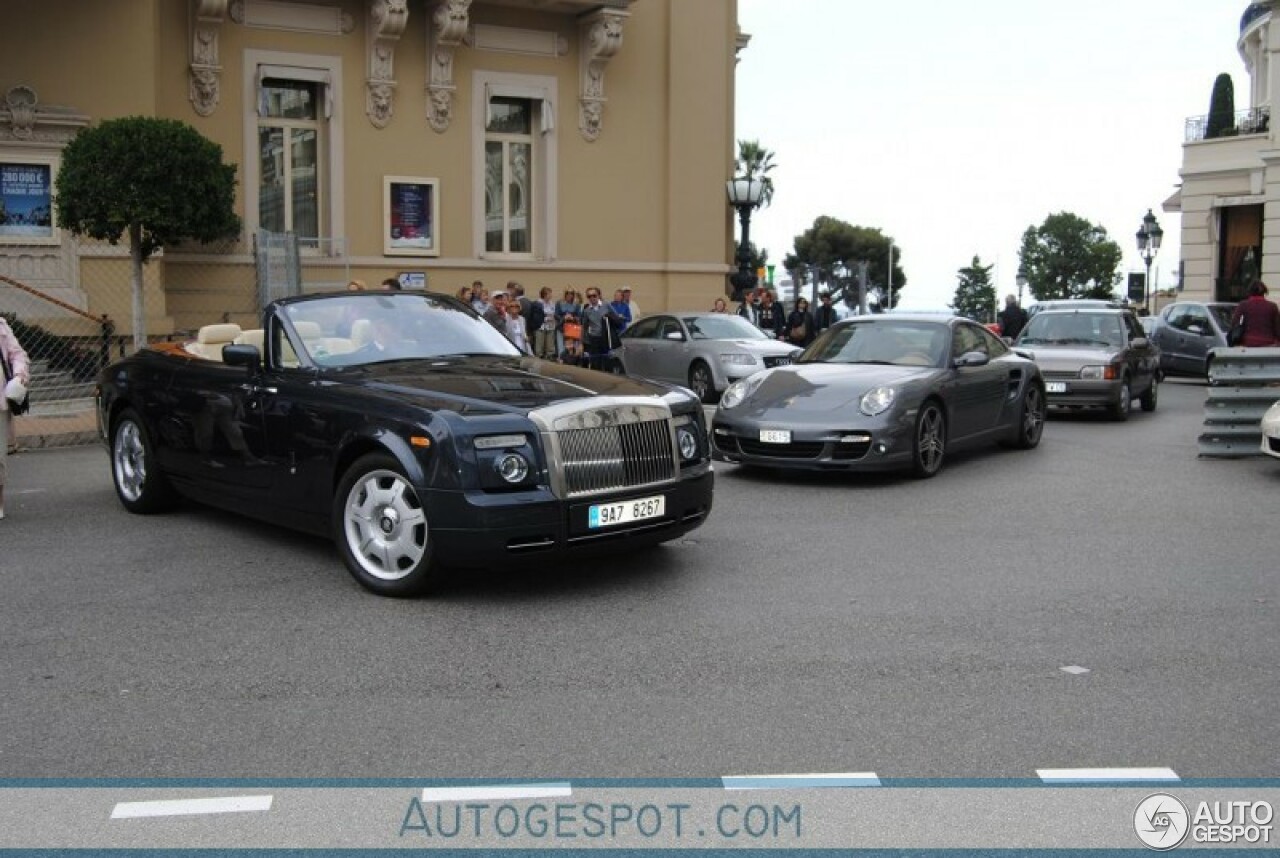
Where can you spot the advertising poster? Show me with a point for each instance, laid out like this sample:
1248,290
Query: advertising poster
26,201
411,207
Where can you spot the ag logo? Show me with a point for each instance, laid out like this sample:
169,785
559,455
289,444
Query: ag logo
1161,821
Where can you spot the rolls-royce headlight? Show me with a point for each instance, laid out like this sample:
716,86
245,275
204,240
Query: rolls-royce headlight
735,359
740,390
877,401
687,436
512,467
498,442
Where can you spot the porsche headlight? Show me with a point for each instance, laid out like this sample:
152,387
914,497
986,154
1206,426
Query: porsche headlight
877,401
740,390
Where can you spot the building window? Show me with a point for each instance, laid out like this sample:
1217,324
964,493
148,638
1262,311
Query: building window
293,142
514,188
508,175
289,152
1240,254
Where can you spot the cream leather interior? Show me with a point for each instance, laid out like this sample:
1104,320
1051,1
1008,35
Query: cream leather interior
211,338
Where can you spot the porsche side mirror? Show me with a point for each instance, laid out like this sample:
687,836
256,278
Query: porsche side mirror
971,359
243,355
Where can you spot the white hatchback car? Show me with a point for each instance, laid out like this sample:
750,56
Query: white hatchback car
1271,431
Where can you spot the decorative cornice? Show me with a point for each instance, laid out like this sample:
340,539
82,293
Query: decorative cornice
600,37
740,43
24,121
387,20
205,76
447,29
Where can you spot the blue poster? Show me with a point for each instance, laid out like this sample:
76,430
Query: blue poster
411,209
26,201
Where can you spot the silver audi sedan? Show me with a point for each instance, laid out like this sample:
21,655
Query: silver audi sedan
707,352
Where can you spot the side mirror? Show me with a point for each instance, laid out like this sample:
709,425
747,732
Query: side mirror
972,359
676,336
243,355
1195,329
1140,342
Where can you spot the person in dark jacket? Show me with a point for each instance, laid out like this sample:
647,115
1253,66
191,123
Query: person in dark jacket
598,323
771,318
825,316
1261,318
799,327
1012,318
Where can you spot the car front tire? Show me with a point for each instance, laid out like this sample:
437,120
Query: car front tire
702,382
140,485
1151,398
1119,409
1031,418
929,445
380,528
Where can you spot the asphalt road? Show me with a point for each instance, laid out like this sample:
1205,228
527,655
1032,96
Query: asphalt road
814,624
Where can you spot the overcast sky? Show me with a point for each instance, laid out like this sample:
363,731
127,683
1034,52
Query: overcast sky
955,126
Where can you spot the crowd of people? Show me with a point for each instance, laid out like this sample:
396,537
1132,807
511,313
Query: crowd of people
799,327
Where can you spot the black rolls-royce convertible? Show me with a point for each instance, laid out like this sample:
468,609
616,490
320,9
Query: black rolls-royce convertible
411,431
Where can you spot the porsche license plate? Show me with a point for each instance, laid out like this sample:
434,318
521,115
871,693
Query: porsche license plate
1055,387
609,514
775,436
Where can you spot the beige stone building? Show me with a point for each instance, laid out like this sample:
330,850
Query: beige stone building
1230,194
554,142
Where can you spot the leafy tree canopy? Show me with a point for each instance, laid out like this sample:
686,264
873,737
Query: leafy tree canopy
836,247
975,293
756,162
156,178
1069,257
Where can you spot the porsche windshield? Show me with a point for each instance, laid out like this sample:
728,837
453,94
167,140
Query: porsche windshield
369,327
883,341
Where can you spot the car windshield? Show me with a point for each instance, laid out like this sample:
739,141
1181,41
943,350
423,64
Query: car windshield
883,341
722,327
1074,329
364,327
1222,315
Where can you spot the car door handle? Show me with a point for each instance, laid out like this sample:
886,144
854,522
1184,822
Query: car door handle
253,388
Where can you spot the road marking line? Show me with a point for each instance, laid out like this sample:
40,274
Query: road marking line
810,781
497,792
191,806
1074,669
1106,775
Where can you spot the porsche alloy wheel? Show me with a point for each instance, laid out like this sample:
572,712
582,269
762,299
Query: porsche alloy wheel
930,443
139,484
1031,426
381,528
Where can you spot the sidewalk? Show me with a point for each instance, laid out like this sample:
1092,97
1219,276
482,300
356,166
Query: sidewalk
56,430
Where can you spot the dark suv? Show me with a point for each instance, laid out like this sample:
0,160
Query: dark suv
1094,357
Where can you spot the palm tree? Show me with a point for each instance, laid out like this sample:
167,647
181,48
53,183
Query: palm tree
755,162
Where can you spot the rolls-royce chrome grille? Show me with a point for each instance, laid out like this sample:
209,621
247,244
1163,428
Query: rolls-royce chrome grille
608,444
616,457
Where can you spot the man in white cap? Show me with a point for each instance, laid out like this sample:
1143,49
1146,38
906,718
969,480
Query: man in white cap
16,374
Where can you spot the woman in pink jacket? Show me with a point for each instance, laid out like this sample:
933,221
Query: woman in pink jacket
20,368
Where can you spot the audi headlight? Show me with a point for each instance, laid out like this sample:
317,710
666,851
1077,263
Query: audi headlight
740,390
738,359
877,401
1098,372
512,467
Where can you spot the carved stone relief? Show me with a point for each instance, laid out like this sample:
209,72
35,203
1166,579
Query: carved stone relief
387,20
448,28
600,38
206,70
40,126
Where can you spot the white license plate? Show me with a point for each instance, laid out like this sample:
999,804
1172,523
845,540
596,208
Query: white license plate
1055,387
782,361
609,514
775,436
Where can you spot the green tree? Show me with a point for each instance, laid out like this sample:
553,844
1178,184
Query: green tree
756,162
1069,257
759,258
975,294
155,181
835,248
1222,108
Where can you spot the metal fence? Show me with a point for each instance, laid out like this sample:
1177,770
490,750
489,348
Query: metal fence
1243,384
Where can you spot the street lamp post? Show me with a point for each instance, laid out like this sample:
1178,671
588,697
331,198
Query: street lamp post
1021,280
1149,237
744,195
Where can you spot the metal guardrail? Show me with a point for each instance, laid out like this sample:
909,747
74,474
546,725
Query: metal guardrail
1243,384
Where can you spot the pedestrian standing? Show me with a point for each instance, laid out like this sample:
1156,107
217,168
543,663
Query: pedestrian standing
632,307
720,306
622,308
750,308
517,328
542,318
568,310
598,321
825,316
800,324
16,372
1261,318
1012,318
771,318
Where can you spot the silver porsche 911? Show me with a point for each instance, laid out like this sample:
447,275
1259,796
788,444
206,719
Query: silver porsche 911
886,391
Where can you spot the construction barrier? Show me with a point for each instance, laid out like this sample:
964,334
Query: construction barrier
1243,384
